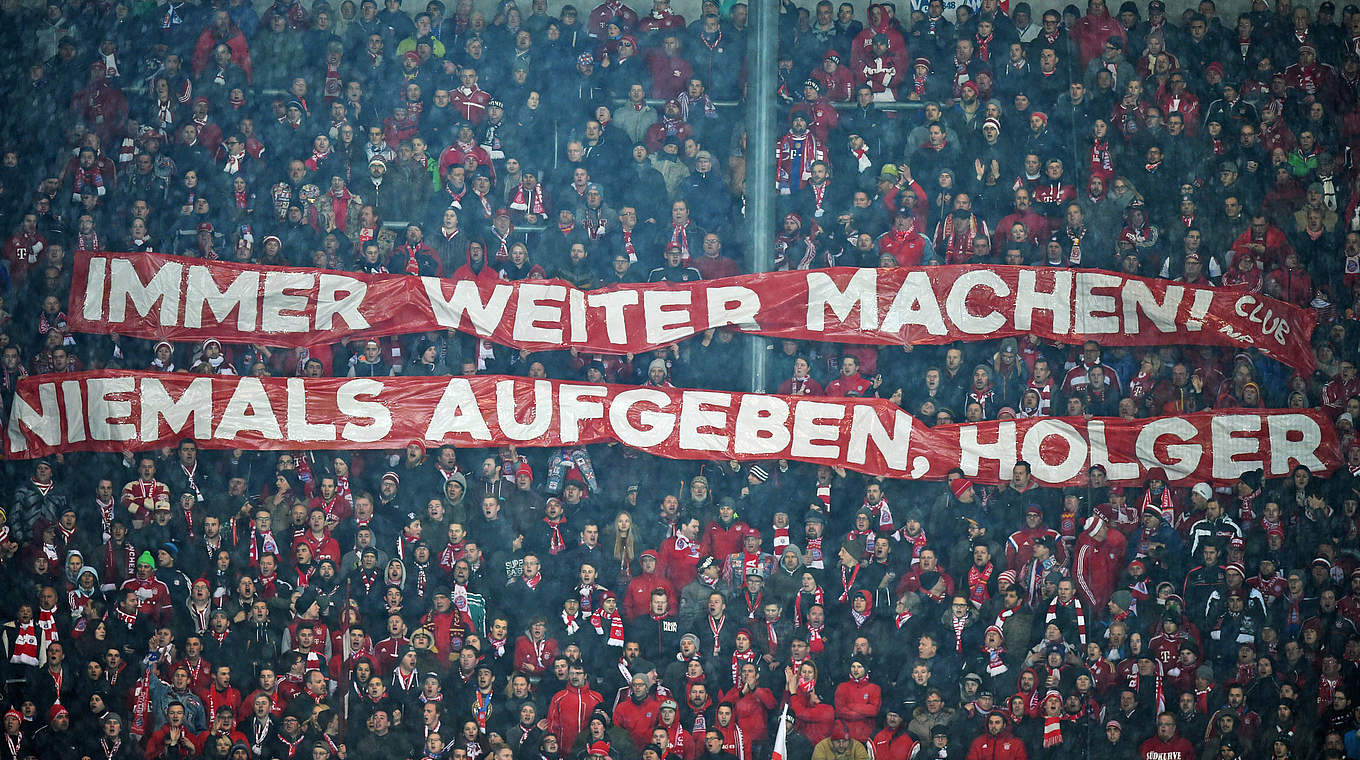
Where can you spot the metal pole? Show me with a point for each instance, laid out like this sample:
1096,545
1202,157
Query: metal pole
760,141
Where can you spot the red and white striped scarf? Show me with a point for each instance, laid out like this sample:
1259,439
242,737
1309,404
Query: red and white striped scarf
47,622
1164,504
1081,615
599,618
738,659
1052,731
25,648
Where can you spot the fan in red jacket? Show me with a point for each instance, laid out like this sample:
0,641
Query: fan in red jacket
571,707
893,742
153,596
638,713
1099,560
905,242
999,743
637,600
680,555
857,702
754,703
734,738
1168,744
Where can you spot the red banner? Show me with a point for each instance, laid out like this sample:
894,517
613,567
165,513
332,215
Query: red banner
172,298
107,411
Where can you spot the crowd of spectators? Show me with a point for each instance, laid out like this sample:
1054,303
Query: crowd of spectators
538,604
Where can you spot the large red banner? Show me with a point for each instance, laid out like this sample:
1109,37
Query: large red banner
108,411
172,298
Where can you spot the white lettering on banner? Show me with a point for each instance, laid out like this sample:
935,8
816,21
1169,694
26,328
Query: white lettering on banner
102,410
242,295
1138,297
533,307
761,426
75,410
467,299
299,429
1184,456
895,445
612,303
45,424
195,402
125,284
1036,443
860,292
347,308
956,303
1228,445
154,297
1199,309
972,452
93,311
1096,313
457,412
811,434
694,417
576,302
656,424
1100,454
1284,452
249,409
277,301
541,412
666,325
914,304
1029,299
347,401
732,305
576,404
1258,313
109,412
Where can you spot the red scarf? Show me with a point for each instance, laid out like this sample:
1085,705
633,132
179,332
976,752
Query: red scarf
25,647
599,618
738,659
1165,506
1102,161
530,202
270,546
977,583
798,605
1052,731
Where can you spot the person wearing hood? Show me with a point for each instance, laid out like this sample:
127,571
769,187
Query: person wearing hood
455,507
476,267
1097,561
882,22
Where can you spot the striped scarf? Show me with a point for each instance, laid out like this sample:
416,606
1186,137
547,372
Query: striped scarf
25,647
739,659
1167,508
1076,605
1052,731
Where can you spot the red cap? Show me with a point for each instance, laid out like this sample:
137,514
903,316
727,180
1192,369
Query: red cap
959,486
599,748
839,731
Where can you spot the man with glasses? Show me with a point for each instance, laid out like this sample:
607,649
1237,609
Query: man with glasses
1167,744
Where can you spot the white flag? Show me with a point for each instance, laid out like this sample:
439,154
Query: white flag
781,743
